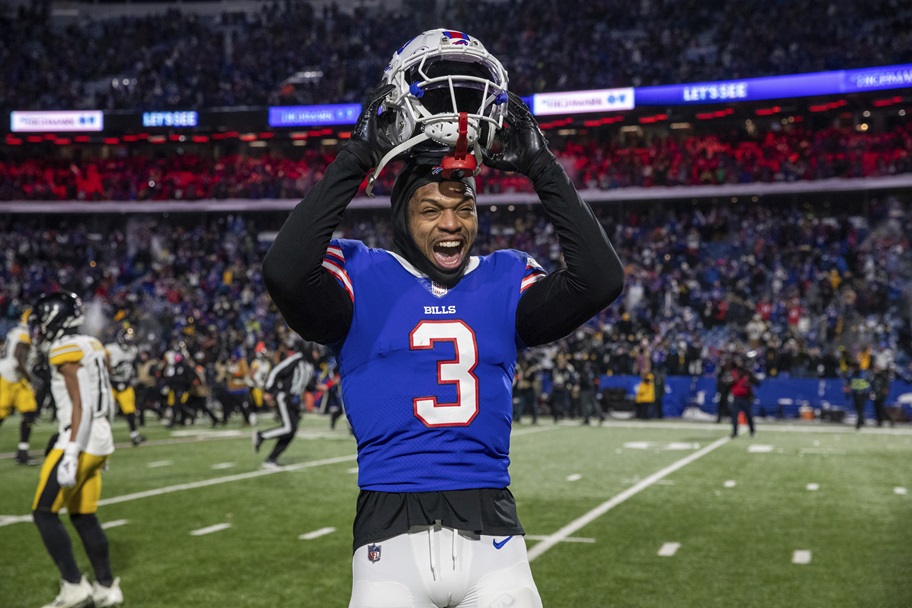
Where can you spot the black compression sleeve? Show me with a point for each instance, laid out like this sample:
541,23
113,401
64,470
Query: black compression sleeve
558,304
310,299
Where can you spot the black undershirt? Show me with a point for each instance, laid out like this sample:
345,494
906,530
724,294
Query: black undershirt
319,309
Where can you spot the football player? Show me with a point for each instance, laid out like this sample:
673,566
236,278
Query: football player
426,338
257,374
71,473
16,390
121,359
178,377
284,386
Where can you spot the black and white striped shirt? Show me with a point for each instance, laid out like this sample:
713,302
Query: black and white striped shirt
290,376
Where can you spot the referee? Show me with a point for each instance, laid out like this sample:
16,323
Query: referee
285,384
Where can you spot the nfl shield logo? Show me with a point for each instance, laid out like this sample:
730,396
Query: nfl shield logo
437,289
373,553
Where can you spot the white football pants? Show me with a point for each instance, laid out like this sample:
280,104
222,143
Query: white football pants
438,567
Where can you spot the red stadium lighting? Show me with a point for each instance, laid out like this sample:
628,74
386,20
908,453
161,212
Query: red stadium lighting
157,139
13,141
112,141
266,135
768,111
34,139
646,120
63,141
81,139
248,137
344,134
130,138
200,139
882,103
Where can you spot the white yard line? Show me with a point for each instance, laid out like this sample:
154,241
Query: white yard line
220,480
159,464
801,557
210,529
577,524
223,465
115,523
669,549
569,539
316,533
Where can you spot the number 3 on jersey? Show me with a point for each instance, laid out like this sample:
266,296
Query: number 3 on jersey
457,371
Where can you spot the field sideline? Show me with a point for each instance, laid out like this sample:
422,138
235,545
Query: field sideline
630,514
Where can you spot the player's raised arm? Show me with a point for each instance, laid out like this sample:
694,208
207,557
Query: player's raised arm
308,296
556,305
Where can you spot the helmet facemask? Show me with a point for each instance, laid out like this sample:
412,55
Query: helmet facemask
450,98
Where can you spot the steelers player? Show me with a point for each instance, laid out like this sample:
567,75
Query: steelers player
257,375
71,474
15,387
121,359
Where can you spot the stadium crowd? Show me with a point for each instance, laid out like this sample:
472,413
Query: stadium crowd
793,153
807,286
291,53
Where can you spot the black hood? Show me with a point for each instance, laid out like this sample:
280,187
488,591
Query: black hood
412,177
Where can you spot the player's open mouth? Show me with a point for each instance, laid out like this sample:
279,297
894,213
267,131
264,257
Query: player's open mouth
448,254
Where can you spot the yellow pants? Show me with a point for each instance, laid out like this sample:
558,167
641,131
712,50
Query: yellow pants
126,399
18,395
81,498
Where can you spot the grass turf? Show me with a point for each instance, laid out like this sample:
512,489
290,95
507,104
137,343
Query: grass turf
739,515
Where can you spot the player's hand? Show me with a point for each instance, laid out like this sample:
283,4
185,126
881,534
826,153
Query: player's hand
66,470
374,129
524,148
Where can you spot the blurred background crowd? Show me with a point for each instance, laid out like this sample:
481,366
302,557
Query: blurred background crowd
187,59
808,284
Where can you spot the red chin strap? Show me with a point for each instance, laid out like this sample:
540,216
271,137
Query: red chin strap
460,159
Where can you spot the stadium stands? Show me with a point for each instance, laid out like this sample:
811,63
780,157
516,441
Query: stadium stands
187,59
827,274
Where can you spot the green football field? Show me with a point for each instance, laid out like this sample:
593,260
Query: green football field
667,514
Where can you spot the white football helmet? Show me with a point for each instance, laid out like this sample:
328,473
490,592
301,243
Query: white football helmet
440,76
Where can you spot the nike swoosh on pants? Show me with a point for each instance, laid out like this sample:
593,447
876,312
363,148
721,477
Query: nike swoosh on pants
499,545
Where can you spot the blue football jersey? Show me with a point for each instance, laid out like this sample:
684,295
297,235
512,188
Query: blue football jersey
427,371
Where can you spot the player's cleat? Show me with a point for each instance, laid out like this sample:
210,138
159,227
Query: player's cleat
22,457
73,595
257,440
106,597
137,439
271,465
